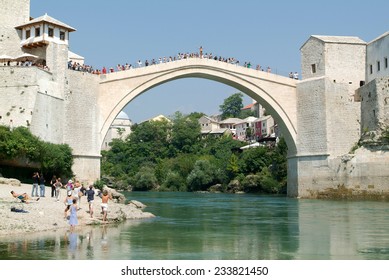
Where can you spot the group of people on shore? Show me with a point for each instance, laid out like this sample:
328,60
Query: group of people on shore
74,192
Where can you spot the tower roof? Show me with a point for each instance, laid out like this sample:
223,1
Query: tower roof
340,39
48,19
337,40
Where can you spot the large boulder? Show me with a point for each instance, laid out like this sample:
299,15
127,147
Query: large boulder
137,204
234,187
10,181
116,196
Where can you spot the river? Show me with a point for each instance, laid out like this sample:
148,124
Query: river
194,226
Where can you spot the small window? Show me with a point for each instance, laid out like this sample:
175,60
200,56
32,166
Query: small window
62,35
313,68
28,34
51,32
378,66
37,31
386,62
371,69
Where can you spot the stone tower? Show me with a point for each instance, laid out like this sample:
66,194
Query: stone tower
13,13
333,68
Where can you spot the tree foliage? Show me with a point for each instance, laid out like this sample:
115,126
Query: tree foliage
232,106
20,144
172,156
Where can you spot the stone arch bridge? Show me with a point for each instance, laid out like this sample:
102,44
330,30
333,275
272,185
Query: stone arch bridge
276,93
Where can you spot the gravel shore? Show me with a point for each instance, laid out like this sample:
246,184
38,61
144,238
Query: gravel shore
48,214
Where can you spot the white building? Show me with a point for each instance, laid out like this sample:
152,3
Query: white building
377,54
120,129
243,126
208,124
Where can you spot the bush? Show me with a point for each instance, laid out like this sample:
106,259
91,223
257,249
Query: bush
252,183
144,179
174,182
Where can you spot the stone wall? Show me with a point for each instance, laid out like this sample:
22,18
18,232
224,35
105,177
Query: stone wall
82,122
82,113
343,118
311,117
13,13
328,127
345,63
375,105
30,98
312,53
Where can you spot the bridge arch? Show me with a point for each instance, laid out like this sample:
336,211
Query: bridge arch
276,93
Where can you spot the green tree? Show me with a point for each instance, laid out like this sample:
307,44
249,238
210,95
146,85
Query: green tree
144,179
249,133
174,182
253,160
232,106
185,134
202,176
22,145
247,113
233,166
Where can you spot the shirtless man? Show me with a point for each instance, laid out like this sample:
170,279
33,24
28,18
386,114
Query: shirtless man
23,197
104,204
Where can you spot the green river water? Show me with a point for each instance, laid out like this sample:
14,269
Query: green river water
193,226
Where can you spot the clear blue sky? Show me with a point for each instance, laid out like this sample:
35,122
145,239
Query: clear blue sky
269,33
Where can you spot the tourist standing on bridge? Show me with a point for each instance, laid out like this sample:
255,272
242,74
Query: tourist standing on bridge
201,52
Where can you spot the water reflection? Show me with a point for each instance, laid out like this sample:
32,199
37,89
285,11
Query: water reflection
343,230
215,226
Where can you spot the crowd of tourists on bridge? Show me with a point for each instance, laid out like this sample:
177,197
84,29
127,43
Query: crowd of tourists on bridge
165,59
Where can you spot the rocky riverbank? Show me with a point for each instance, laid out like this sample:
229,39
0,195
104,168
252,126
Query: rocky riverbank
48,214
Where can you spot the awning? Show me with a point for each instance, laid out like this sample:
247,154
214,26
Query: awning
26,56
5,57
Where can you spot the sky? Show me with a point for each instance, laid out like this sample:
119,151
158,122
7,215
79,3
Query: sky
269,33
